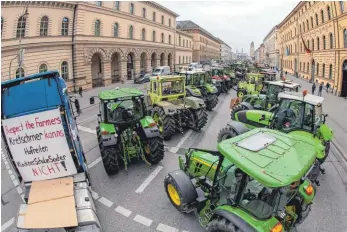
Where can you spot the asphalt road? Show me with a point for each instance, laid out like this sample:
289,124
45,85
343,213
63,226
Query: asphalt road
136,200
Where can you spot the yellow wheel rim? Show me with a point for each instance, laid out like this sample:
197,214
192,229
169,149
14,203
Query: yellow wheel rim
240,94
174,196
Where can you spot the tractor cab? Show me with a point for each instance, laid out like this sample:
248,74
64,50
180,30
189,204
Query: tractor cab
272,88
166,88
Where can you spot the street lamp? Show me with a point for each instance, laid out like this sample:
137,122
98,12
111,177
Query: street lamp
20,60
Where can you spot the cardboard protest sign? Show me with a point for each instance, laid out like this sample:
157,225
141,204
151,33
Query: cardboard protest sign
39,146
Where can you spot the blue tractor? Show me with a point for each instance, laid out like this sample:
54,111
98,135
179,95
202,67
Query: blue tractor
42,142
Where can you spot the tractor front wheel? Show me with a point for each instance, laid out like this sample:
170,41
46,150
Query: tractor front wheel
165,122
155,150
236,109
221,224
226,133
200,118
241,93
109,157
212,101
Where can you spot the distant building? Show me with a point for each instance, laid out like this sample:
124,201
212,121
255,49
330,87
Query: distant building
271,48
225,51
251,51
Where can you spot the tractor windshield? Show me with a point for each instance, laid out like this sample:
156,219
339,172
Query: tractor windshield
172,87
125,110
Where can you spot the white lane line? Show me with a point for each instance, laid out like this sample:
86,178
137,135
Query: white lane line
19,190
166,228
86,129
7,224
7,167
94,162
148,180
105,202
12,177
10,172
15,183
22,196
180,143
5,162
143,220
125,212
95,195
86,120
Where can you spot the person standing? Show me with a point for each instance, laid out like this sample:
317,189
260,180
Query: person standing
320,89
313,87
328,86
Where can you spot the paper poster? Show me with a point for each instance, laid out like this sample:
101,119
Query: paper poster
39,146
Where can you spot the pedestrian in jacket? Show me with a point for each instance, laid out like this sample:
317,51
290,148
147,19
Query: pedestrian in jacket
320,89
313,87
328,86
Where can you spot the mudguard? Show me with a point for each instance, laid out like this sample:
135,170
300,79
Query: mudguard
149,127
195,103
186,186
238,127
211,88
247,105
109,140
325,132
234,219
168,107
193,91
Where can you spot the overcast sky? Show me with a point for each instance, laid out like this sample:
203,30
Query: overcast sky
237,23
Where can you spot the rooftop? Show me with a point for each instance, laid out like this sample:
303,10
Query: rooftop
190,25
309,98
120,93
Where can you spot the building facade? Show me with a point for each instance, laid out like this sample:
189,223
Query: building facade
261,53
256,55
271,48
321,27
205,45
183,48
225,52
90,43
251,50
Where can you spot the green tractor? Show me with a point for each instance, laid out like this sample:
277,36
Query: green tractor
254,182
171,109
199,84
252,84
267,99
125,131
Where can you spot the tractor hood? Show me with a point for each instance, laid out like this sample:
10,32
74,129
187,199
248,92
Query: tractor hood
273,158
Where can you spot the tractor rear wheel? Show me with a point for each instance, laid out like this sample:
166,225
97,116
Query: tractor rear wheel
221,224
241,93
212,101
224,88
226,133
109,157
200,118
302,210
236,109
165,122
155,150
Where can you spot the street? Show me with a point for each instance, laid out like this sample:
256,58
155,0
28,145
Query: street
136,200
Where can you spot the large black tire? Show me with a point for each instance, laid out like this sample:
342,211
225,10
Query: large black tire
224,88
236,109
226,133
241,93
221,224
109,157
201,118
212,101
156,148
301,210
168,123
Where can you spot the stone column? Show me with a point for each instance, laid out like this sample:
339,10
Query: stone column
148,65
107,72
165,61
137,66
123,68
156,61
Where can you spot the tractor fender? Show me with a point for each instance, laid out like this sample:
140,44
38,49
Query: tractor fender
151,132
193,91
194,102
238,127
168,107
186,186
234,219
247,105
109,140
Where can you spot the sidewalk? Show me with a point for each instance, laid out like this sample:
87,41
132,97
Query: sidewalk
336,108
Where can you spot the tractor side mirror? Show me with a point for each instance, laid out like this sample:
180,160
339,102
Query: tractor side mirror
91,100
262,117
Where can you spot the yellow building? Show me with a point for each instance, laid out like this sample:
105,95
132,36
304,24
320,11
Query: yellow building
322,28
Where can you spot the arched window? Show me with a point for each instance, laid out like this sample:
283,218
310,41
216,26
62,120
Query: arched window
342,6
183,59
144,12
162,37
329,12
300,67
99,3
169,39
131,8
308,67
179,59
115,30
131,32
97,28
187,59
322,15
324,43
312,44
154,16
323,71
345,38
2,24
307,24
303,25
153,36
317,69
316,19
64,70
300,47
116,5
179,41
308,44
318,47
331,41
169,22
65,27
143,34
20,74
304,68
162,19
43,68
330,71
311,22
21,27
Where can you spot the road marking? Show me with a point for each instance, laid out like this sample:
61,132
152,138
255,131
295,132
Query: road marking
180,143
15,183
10,172
12,177
7,167
22,196
19,190
166,228
94,162
105,202
95,195
86,120
149,179
125,212
5,162
143,220
86,129
7,224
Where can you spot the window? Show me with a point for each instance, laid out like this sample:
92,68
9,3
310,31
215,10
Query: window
316,19
169,22
2,24
64,70
329,13
324,43
65,27
308,44
311,22
318,47
330,71
179,40
322,15
131,32
179,59
44,26
115,30
97,28
307,24
99,3
144,12
154,16
300,67
143,34
312,44
169,39
317,69
345,38
323,71
331,41
162,37
43,68
21,27
162,19
153,36
300,28
183,59
20,74
132,8
116,5
342,6
304,68
303,25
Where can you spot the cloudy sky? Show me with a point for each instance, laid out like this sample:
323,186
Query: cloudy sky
237,23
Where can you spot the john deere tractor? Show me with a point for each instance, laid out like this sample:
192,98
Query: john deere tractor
171,109
265,100
125,132
254,182
199,84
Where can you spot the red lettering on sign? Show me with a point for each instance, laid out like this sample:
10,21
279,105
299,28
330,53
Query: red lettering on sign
46,169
